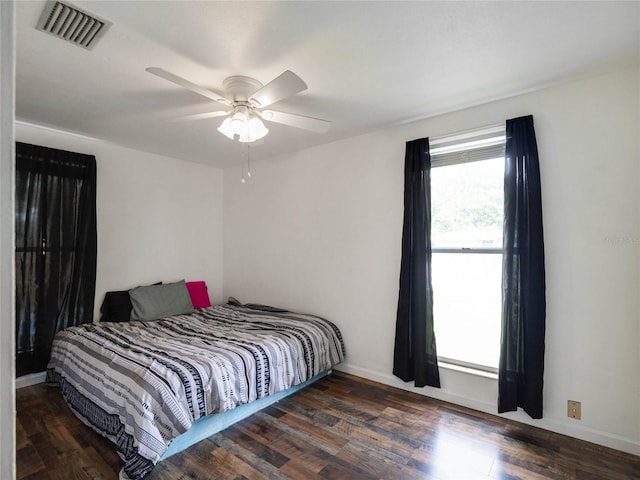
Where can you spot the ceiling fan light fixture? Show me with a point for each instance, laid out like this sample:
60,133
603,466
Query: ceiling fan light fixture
244,125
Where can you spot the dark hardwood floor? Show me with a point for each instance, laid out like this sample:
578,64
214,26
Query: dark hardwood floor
343,427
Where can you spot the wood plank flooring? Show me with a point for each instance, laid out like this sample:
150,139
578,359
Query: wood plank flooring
343,427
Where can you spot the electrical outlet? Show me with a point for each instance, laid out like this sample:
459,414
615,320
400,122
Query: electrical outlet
574,409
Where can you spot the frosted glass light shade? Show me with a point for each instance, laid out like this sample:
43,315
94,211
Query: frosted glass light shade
257,130
239,121
226,129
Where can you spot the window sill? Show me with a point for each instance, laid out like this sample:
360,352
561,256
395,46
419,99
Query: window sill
468,370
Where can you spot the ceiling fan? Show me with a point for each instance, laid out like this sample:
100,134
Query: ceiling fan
246,99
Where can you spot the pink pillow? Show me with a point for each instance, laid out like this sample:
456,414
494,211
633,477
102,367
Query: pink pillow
198,294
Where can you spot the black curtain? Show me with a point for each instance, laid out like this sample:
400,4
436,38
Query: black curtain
55,261
415,357
523,279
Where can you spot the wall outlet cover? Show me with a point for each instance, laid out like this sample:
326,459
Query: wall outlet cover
574,409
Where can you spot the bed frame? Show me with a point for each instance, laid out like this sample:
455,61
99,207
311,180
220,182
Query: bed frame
211,424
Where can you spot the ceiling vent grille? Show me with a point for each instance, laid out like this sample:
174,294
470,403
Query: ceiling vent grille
72,24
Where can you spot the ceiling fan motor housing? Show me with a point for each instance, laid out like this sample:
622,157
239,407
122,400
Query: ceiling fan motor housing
239,88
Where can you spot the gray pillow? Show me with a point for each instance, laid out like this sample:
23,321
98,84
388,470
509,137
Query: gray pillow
158,301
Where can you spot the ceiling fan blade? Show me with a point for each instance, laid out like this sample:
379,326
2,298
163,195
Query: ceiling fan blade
187,84
283,86
300,121
202,116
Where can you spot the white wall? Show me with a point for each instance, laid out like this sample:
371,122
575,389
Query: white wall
7,251
158,218
320,231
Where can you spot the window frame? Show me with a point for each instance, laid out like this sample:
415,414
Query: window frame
465,147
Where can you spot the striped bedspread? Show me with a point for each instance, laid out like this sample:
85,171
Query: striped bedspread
141,384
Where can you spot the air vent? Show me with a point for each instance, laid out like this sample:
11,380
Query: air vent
72,24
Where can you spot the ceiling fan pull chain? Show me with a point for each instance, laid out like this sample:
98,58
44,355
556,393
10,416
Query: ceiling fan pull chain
248,160
242,148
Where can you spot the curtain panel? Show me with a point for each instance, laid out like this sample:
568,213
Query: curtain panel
521,369
415,358
55,257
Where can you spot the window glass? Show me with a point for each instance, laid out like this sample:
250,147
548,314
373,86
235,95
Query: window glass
466,226
467,204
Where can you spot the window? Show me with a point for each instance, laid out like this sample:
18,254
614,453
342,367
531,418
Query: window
467,191
55,248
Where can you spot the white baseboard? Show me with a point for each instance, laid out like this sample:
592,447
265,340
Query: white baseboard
598,437
31,379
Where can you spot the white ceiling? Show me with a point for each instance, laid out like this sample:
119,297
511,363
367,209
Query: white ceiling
368,65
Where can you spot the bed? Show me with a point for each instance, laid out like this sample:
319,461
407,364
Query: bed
144,384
